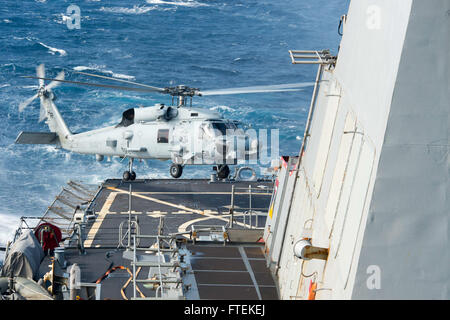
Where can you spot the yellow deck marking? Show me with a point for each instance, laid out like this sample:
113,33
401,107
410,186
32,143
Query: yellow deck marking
112,196
210,216
159,201
101,215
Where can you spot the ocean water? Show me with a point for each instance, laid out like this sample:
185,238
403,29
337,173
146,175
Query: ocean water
207,44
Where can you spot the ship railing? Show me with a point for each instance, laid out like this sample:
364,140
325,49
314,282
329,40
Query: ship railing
208,233
249,214
322,57
68,211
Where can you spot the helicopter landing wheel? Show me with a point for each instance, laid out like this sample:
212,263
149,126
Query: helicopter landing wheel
223,171
176,170
129,176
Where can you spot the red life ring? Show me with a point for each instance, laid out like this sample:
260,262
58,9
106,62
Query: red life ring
51,236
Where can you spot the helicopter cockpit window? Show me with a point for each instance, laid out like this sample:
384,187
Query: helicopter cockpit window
221,127
163,136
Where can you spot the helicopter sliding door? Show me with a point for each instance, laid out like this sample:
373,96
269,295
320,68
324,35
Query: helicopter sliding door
160,142
145,142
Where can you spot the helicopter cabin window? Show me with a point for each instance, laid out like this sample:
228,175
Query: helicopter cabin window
163,136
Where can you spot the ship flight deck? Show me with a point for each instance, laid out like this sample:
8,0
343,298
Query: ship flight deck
189,239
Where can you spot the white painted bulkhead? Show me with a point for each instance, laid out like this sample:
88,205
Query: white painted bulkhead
351,194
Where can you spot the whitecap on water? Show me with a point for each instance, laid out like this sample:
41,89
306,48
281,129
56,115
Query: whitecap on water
188,3
102,70
8,225
54,50
64,18
29,87
223,108
135,10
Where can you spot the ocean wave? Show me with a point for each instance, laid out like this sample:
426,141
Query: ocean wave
102,70
215,70
29,87
135,10
188,3
222,108
54,50
62,18
8,225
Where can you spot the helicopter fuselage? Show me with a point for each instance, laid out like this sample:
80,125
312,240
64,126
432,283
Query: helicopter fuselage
184,135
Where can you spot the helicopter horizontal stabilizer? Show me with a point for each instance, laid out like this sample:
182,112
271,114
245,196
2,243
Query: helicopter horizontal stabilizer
37,138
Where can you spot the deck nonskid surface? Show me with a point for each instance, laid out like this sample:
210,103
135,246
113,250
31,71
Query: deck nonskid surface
231,271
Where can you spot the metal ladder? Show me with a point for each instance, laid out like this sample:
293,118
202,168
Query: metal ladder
169,283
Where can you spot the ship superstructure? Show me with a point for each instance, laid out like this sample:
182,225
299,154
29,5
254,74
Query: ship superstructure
363,212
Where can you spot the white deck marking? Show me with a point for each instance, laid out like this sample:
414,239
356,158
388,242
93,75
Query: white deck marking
250,270
254,192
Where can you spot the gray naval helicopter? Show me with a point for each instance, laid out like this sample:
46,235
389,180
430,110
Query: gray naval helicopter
180,133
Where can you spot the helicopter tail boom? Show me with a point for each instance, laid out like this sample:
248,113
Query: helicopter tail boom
54,120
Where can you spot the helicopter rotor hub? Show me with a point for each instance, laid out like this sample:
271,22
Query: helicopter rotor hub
181,90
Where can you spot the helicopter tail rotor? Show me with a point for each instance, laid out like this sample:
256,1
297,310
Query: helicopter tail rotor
44,92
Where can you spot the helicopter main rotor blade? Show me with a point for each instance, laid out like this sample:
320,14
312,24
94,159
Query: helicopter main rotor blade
40,72
121,80
53,84
258,89
24,104
95,84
